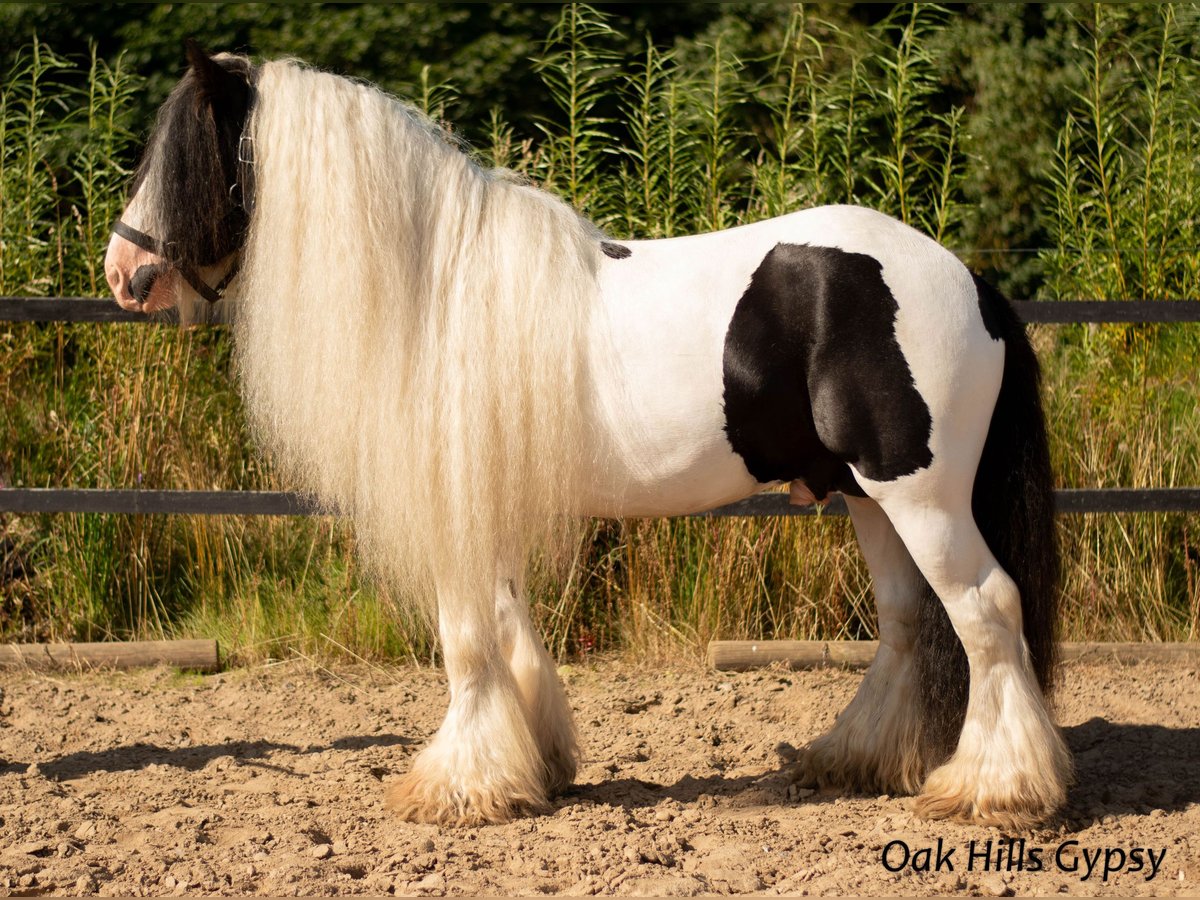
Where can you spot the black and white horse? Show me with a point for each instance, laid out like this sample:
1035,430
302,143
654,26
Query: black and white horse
461,364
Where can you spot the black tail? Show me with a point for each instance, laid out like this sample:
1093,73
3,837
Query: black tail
1013,504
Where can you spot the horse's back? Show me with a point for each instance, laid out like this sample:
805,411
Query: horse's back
704,276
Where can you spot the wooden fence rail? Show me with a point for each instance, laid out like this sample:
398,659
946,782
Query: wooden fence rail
278,503
1075,501
1050,312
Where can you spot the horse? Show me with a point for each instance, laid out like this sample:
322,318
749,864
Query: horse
462,365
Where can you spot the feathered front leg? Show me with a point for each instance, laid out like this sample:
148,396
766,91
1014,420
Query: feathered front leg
484,764
545,703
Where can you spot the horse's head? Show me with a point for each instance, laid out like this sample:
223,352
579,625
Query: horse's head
189,207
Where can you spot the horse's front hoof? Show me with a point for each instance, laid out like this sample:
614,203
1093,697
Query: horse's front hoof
449,784
417,798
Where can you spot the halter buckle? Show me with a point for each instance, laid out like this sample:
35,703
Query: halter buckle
245,153
245,183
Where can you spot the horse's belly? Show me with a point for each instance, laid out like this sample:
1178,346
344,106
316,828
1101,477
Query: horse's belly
683,472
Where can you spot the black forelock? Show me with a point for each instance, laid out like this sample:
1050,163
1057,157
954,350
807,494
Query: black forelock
193,152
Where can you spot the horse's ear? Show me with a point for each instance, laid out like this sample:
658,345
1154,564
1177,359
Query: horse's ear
218,86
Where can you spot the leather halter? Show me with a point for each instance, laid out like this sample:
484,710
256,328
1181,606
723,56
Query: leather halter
241,194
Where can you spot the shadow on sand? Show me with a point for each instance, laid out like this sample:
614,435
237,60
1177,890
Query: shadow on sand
1119,769
140,755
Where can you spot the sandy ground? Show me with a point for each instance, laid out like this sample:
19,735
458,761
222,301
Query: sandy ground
270,781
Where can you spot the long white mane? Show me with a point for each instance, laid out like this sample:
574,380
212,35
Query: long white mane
410,334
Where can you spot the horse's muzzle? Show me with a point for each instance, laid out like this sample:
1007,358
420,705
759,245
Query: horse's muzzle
144,279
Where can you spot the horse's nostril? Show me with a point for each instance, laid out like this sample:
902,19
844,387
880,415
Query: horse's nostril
114,278
143,280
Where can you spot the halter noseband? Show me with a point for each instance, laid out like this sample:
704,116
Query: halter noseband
189,273
241,194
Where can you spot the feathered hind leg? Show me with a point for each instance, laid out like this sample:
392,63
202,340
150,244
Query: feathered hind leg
875,744
484,764
544,701
1011,767
984,537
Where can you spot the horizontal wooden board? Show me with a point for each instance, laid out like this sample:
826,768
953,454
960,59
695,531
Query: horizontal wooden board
1067,501
1127,500
739,656
200,655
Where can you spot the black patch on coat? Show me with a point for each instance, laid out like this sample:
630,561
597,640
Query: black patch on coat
615,251
994,308
814,376
194,147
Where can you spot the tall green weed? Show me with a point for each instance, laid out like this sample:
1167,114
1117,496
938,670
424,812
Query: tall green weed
667,141
1125,191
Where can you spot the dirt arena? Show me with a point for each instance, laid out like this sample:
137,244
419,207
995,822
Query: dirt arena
270,781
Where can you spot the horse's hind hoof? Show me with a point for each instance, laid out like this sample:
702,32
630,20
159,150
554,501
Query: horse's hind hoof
969,811
829,763
821,767
802,773
1015,808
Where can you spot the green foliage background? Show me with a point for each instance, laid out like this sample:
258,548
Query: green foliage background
1052,146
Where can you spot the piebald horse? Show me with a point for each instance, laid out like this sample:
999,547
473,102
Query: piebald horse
463,366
